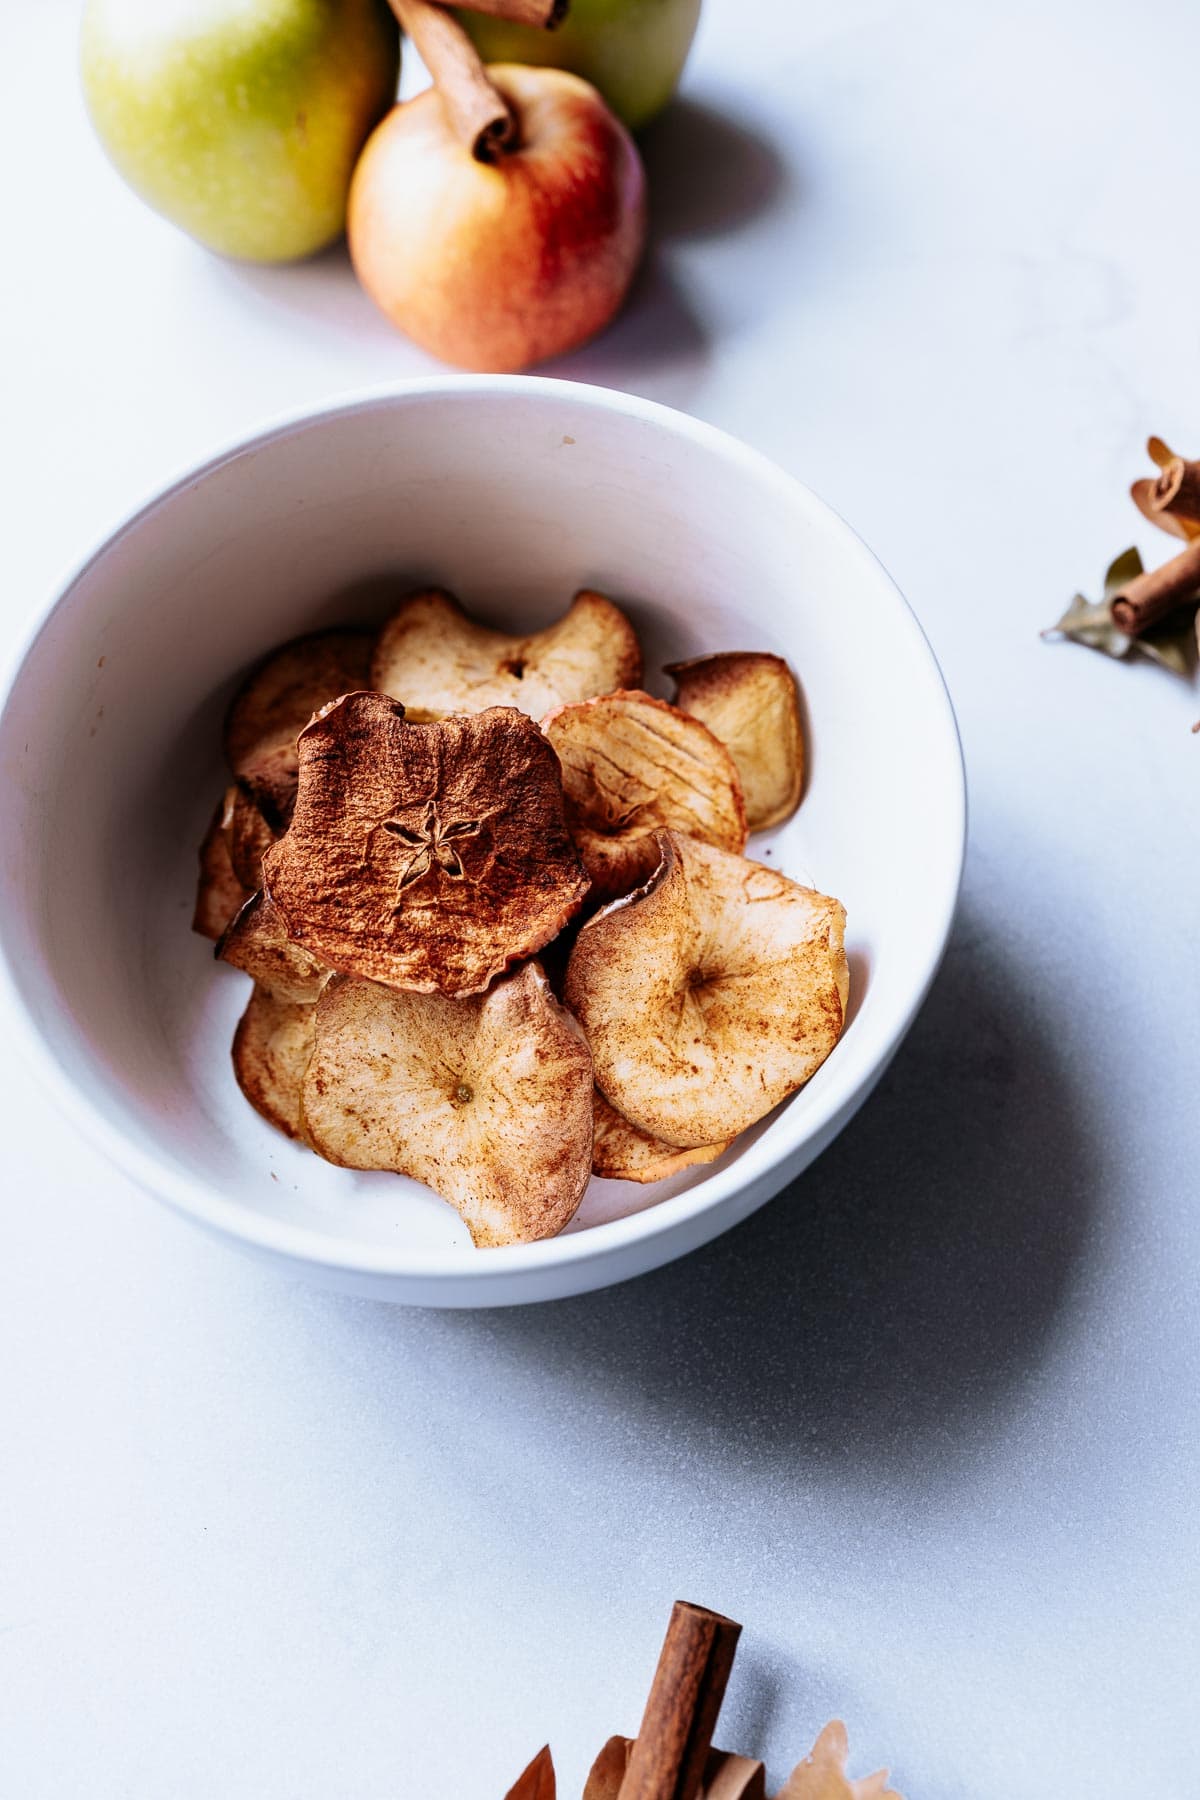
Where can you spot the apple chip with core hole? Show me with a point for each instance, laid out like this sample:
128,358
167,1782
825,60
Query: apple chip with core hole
275,704
219,893
633,765
487,1099
258,943
621,1152
749,700
429,857
271,1048
436,660
710,994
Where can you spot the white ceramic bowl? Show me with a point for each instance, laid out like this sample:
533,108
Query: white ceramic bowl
513,492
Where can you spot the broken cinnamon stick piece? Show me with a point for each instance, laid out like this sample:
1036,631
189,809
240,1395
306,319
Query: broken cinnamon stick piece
544,15
478,113
1171,499
668,1759
1146,599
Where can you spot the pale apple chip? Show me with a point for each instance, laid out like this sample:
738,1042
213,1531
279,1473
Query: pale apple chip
271,1048
219,893
822,1774
623,1152
710,994
486,1099
257,942
430,857
749,699
633,765
275,704
250,837
437,660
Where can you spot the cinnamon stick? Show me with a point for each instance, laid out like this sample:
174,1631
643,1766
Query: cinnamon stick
544,15
1148,598
668,1759
478,113
1172,498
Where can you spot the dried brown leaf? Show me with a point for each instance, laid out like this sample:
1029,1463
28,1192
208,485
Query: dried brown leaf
622,1152
271,1050
258,943
274,705
430,857
822,1774
710,994
487,1099
219,893
537,1782
437,660
750,701
633,765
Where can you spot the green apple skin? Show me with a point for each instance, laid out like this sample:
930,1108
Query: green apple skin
632,50
240,120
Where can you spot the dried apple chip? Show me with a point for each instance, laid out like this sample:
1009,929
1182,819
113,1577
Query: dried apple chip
272,708
749,699
250,837
271,1048
257,942
486,1099
710,994
430,857
623,1152
219,893
822,1774
436,660
633,765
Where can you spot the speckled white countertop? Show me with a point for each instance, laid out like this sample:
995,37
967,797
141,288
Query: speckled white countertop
930,1423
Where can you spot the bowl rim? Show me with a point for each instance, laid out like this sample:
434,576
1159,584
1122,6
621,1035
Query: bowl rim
840,1086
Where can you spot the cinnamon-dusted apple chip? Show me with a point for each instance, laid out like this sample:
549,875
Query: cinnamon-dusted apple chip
436,660
486,1099
822,1774
430,857
623,1152
710,994
633,765
250,836
271,1048
749,700
275,704
219,893
257,942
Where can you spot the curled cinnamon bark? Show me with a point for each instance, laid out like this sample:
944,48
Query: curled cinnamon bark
478,113
1172,498
1159,592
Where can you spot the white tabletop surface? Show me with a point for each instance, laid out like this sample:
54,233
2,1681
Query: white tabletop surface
929,1423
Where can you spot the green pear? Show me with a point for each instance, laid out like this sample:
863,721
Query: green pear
240,120
632,50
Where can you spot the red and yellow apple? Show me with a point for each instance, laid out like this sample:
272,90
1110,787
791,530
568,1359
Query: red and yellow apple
497,265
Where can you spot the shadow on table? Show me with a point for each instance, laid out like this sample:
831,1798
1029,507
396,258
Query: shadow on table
881,1309
708,172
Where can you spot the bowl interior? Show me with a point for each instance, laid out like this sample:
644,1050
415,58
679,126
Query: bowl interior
513,495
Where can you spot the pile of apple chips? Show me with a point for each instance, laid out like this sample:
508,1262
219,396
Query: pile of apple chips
402,841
